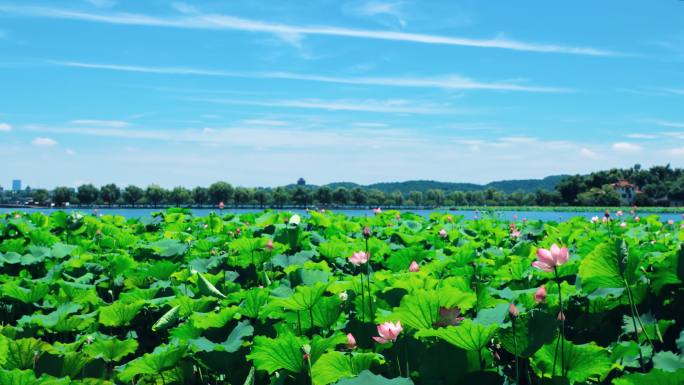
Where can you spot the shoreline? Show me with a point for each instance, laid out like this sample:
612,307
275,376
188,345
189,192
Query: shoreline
626,209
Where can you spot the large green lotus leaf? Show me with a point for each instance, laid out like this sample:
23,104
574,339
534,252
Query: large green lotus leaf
335,248
162,358
368,378
654,377
420,309
119,313
27,377
581,361
161,270
230,345
31,295
668,361
626,353
110,349
207,288
469,335
334,366
189,305
283,352
606,265
61,250
320,345
654,329
532,331
64,365
304,297
169,247
168,319
255,299
21,353
327,311
213,320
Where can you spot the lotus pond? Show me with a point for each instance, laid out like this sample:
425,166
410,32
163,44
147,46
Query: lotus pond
389,299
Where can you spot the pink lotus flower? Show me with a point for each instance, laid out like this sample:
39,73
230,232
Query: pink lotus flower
388,332
351,341
269,245
637,219
449,316
623,224
359,258
513,311
561,316
450,219
221,205
322,210
594,219
604,220
547,260
366,232
515,217
670,222
414,268
515,233
540,295
443,233
619,213
377,210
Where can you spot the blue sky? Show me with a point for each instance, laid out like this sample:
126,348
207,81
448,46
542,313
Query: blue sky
259,93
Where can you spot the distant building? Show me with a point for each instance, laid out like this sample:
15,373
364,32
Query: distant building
16,185
301,182
626,190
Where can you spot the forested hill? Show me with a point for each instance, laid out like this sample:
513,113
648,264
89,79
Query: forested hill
508,186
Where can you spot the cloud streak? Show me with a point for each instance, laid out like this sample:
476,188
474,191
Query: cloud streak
196,20
380,106
441,82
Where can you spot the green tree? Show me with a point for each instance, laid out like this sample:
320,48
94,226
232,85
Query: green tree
87,194
155,194
359,196
40,196
242,196
262,196
110,193
280,196
61,195
179,196
396,197
376,197
323,195
200,195
301,196
340,196
132,194
220,192
416,197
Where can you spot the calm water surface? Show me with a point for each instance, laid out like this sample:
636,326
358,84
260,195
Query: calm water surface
468,214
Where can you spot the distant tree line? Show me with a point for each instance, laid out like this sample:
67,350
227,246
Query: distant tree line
660,185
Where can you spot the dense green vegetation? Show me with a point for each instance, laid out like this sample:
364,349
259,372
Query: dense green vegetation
658,186
390,299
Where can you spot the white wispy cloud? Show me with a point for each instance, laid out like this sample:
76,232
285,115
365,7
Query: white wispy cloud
667,123
369,105
676,91
440,82
626,147
677,151
265,122
641,136
101,3
587,153
5,127
380,8
45,142
227,22
100,123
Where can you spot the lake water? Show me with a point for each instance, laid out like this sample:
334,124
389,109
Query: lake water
468,214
